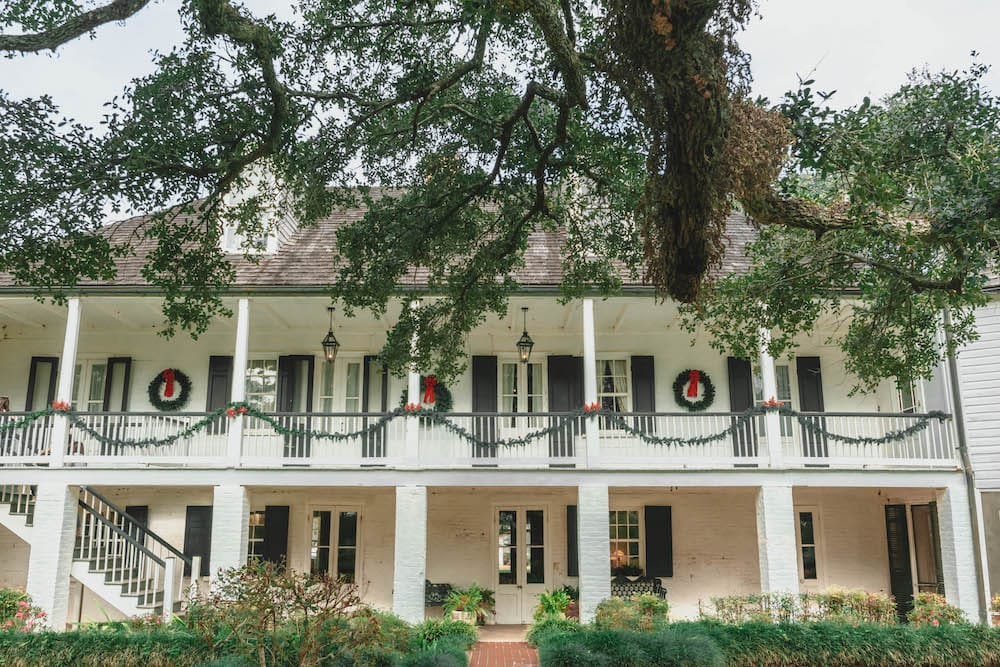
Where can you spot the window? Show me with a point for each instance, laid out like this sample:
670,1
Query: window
909,397
262,384
612,385
326,384
784,393
88,386
521,390
352,388
807,545
335,543
255,544
235,242
623,529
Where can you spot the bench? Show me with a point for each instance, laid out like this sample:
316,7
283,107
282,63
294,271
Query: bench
435,594
623,587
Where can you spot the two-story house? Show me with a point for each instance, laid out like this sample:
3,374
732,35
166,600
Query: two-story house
110,505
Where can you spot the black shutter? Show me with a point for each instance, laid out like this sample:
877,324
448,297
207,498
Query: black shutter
110,404
740,400
659,541
643,391
373,442
198,537
810,379
275,547
900,574
292,369
484,399
37,375
219,389
936,537
565,375
572,550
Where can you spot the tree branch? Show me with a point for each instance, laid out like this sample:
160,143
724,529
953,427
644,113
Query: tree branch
51,39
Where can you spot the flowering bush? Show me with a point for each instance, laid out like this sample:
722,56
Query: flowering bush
26,618
932,609
834,604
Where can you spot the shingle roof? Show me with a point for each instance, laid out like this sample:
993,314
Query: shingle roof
306,259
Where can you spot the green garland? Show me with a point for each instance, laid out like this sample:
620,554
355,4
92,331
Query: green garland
811,423
707,397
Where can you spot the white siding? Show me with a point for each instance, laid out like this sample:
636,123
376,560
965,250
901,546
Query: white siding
979,373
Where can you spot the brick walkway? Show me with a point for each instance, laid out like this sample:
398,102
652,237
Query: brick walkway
503,654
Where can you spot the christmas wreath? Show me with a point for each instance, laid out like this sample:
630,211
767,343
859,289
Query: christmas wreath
170,390
686,390
434,395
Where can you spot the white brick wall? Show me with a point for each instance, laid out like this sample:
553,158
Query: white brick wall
230,528
595,564
776,544
52,556
410,562
960,585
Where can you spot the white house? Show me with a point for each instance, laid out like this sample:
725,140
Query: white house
107,508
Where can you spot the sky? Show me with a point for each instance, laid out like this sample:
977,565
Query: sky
857,47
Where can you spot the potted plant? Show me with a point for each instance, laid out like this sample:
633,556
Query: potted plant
995,610
552,604
471,605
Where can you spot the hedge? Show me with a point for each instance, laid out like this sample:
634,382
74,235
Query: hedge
713,644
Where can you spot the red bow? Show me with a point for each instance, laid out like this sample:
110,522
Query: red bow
168,376
591,407
695,378
231,412
429,383
413,407
60,406
772,403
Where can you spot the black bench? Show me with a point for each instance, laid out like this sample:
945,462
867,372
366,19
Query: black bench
435,594
623,587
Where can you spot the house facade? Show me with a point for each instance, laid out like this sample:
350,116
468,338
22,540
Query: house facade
583,463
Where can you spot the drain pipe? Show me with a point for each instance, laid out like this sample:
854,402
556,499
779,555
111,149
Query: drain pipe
970,476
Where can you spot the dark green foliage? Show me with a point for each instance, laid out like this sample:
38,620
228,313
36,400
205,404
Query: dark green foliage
107,649
443,630
545,628
9,598
669,647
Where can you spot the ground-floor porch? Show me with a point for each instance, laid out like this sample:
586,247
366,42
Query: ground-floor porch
397,542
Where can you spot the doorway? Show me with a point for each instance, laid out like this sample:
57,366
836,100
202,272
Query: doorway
522,562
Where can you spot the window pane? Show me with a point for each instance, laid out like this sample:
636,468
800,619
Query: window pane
808,562
784,384
508,565
327,381
352,387
535,527
347,534
806,528
346,562
320,562
536,565
95,394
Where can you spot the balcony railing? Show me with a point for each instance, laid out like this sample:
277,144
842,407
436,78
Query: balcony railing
667,441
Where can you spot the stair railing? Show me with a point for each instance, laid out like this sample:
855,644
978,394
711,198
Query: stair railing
20,497
146,565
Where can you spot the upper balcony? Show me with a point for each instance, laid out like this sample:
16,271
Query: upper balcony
626,357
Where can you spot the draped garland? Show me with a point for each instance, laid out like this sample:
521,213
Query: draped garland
630,425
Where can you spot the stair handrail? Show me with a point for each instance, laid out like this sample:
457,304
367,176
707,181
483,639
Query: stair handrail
128,538
146,531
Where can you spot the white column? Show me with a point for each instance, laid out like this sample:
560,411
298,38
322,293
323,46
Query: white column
590,381
64,390
593,548
51,557
958,550
230,527
410,553
772,421
241,354
776,547
412,452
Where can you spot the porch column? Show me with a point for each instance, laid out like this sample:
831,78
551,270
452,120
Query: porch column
241,354
412,453
957,550
51,557
593,554
776,548
410,553
772,421
64,389
230,528
590,382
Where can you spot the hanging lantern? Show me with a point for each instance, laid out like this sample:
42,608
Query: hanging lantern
524,344
330,343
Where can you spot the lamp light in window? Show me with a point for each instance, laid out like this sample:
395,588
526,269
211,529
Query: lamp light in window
330,343
524,343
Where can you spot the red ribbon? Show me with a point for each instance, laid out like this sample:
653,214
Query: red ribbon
695,378
168,376
429,383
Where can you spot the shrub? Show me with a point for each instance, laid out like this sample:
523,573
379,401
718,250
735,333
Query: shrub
640,612
602,648
834,604
26,617
9,597
104,648
933,609
552,625
437,630
552,603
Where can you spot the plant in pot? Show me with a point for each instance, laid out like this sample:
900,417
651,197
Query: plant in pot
995,610
552,604
472,604
573,611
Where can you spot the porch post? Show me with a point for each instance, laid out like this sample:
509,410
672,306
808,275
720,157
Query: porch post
52,550
593,548
958,550
241,353
410,553
772,421
230,528
64,389
776,547
590,382
412,453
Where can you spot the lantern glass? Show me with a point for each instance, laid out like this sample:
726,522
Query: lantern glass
330,346
524,346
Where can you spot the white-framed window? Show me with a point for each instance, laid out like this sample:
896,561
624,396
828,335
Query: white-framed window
89,377
624,538
613,385
910,397
335,539
327,384
352,386
262,384
783,378
255,541
233,242
522,390
807,535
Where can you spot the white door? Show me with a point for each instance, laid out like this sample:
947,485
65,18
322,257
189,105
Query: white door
522,563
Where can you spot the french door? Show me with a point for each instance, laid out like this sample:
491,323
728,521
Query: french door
522,562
